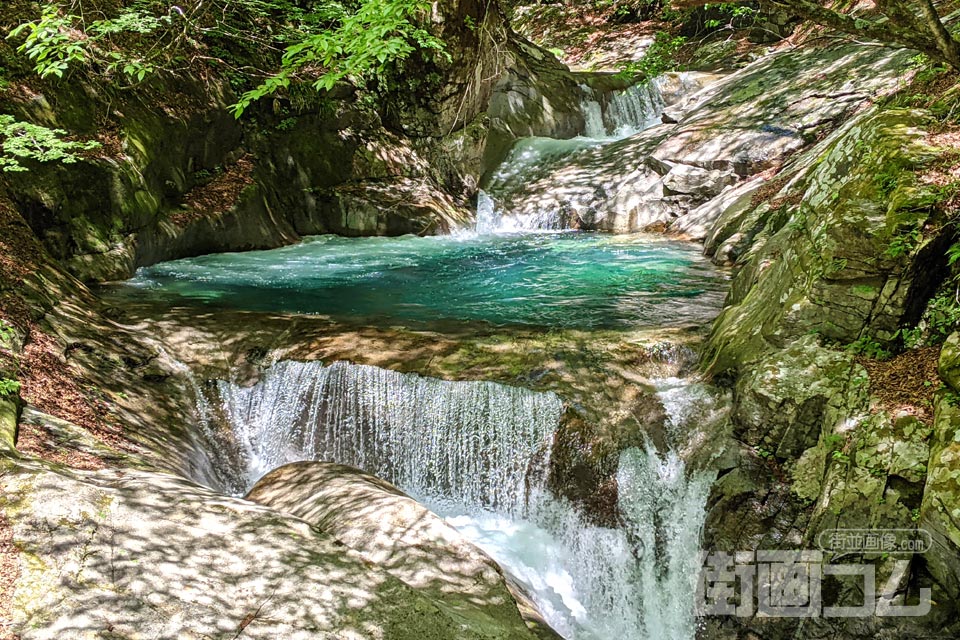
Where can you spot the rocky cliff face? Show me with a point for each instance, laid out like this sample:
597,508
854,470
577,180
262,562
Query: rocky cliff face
176,174
847,248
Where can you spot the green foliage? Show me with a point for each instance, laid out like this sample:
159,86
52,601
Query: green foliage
9,387
735,14
886,182
6,332
57,41
133,19
953,254
365,44
834,441
912,338
867,346
658,59
23,140
840,457
903,243
286,124
952,397
635,10
51,42
943,313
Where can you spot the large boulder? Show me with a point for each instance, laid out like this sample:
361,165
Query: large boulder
396,534
840,250
129,554
940,512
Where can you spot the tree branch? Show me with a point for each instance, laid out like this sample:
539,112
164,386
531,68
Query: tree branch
914,24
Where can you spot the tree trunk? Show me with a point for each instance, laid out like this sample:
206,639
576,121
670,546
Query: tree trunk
946,43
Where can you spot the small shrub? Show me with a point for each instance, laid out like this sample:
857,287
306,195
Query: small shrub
867,346
9,387
23,140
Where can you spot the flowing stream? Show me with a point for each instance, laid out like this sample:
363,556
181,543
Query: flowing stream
477,453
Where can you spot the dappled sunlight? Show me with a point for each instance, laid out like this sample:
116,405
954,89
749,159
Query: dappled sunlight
391,530
133,552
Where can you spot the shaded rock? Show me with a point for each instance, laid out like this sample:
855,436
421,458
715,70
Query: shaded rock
707,221
124,553
401,537
785,400
949,366
586,454
390,208
940,511
685,179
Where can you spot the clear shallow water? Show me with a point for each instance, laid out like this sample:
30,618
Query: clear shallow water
575,280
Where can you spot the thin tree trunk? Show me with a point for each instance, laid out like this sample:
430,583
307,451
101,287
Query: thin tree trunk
946,43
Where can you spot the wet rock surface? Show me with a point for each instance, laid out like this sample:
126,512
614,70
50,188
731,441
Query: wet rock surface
740,125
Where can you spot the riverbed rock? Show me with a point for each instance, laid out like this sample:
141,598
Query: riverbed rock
741,125
125,553
710,219
696,181
398,535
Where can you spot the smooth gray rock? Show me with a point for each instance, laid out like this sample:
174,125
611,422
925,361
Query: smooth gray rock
400,536
130,554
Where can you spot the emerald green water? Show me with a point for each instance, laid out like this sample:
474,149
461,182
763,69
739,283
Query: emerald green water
574,280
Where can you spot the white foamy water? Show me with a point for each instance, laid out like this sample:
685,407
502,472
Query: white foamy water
476,453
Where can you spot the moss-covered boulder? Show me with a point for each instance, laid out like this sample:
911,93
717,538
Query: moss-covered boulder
940,512
785,401
949,365
843,252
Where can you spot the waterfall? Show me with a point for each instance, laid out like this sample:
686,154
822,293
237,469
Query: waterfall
624,112
476,453
470,442
592,110
637,582
607,117
634,109
663,508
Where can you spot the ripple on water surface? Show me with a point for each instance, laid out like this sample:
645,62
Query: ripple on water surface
573,280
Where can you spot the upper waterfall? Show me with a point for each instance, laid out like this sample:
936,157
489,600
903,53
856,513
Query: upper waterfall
609,116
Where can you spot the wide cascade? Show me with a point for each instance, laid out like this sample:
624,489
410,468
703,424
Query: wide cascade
477,454
472,442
